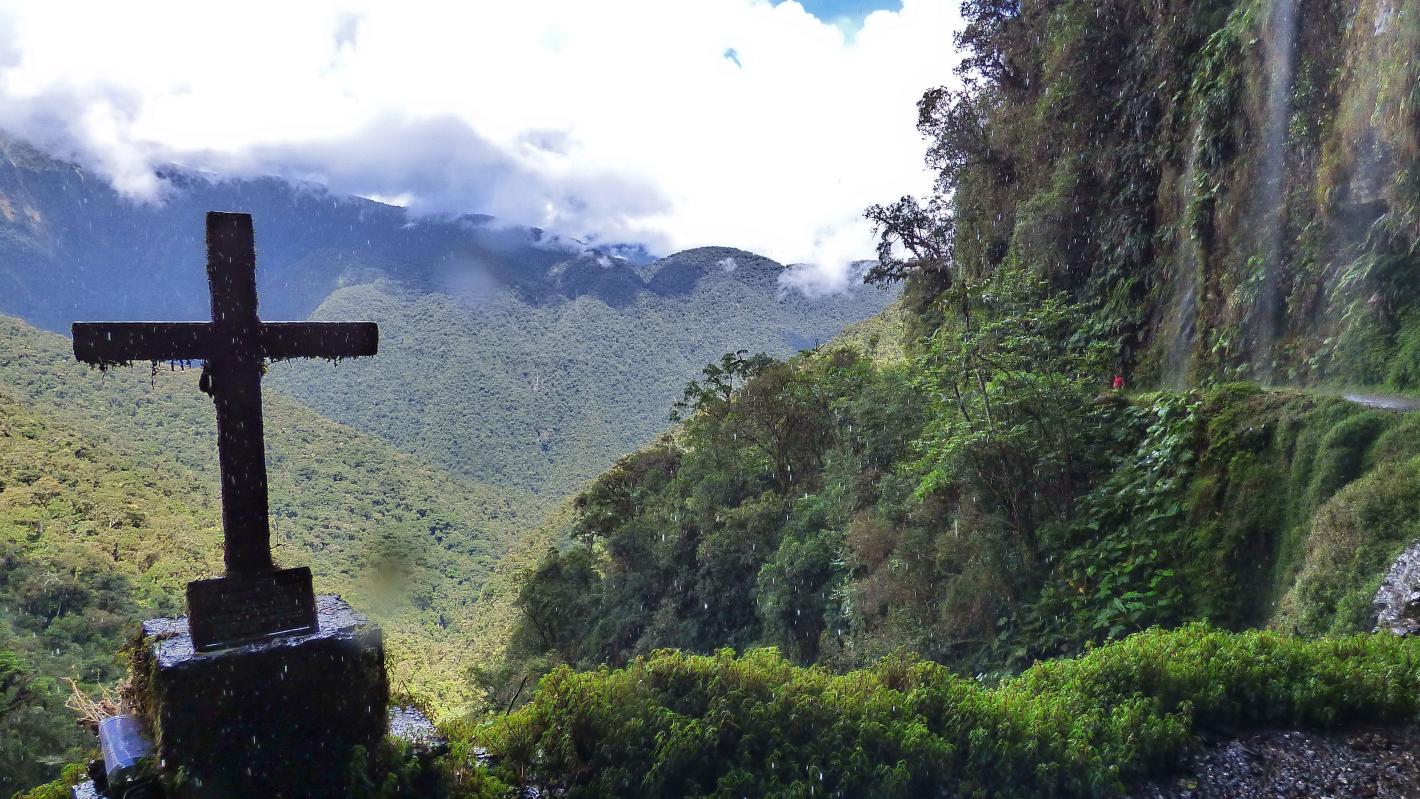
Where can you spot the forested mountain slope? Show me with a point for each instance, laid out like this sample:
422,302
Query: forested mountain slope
543,396
109,505
1229,186
856,534
519,359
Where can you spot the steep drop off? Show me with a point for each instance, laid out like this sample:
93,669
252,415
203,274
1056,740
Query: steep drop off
542,397
109,505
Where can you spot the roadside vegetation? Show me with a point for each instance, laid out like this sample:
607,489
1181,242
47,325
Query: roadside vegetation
722,725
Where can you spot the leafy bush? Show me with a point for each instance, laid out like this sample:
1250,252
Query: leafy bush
671,724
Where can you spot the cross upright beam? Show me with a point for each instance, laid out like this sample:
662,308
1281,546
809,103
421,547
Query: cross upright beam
235,366
234,347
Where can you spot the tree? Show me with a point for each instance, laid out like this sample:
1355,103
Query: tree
912,239
916,236
991,39
793,592
782,413
1012,373
556,599
721,381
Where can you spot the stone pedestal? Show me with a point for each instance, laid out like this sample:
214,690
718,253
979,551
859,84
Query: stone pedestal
408,724
276,718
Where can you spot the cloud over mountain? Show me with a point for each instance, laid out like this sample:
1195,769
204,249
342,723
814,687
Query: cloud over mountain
672,123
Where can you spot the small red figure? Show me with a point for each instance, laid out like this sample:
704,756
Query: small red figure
1118,383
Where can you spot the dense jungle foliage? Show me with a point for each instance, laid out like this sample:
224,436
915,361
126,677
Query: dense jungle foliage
1184,194
829,507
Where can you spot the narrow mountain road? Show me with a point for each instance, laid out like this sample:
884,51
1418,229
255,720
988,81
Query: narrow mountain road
1396,403
1385,402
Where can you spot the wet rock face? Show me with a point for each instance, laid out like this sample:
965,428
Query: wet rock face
1398,600
1371,763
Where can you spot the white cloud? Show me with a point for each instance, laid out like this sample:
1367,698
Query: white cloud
608,121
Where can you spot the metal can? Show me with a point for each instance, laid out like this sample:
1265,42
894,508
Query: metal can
123,744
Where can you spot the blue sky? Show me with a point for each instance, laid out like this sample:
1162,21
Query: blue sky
847,14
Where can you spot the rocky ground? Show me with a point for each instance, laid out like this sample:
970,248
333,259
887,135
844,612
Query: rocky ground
1378,762
1359,763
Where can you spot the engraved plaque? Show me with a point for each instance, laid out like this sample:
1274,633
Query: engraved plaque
228,611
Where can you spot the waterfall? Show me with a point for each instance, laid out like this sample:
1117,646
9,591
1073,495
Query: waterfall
1180,324
1280,50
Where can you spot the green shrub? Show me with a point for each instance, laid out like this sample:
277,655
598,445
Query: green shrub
676,725
72,775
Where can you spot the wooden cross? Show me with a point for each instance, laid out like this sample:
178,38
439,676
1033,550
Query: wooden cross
234,347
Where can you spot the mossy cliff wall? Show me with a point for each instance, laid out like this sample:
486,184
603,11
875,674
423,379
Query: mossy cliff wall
1297,506
1233,186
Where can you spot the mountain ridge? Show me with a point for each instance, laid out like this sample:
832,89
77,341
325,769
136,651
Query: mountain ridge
72,247
541,397
512,356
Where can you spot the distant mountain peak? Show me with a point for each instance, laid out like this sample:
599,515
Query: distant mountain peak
681,273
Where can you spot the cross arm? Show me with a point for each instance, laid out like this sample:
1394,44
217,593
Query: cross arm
110,343
281,340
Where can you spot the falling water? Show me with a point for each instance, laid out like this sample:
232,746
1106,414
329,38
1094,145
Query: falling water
1188,272
1280,48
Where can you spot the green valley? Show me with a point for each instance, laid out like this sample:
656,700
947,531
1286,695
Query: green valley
108,506
1110,448
514,357
543,396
